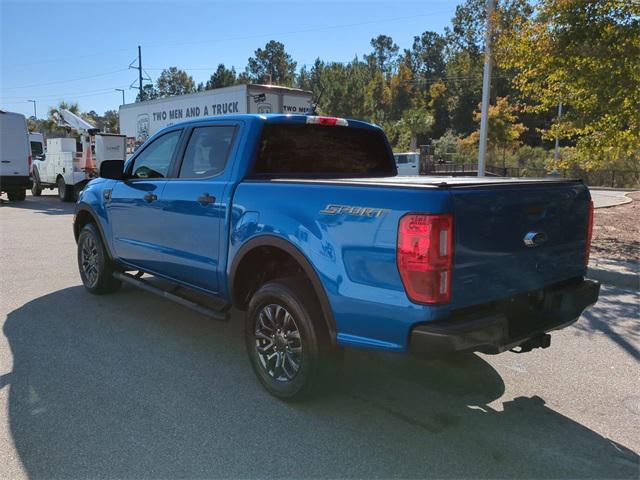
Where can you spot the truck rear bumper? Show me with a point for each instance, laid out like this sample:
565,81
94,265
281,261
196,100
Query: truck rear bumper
503,325
15,182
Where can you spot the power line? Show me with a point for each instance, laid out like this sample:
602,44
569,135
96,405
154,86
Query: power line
227,39
65,81
294,32
63,59
49,96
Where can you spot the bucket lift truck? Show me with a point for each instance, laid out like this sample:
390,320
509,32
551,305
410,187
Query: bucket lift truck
70,163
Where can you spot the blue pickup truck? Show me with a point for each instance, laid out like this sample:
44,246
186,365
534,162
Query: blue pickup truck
303,223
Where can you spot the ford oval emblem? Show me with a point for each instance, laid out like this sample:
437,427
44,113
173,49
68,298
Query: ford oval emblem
534,239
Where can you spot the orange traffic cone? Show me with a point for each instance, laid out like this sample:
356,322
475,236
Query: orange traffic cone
89,164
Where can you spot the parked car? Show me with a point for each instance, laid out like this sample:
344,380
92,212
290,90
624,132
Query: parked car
407,163
15,156
301,222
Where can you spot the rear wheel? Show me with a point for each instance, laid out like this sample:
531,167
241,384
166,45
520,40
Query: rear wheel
36,188
96,268
17,195
286,339
65,192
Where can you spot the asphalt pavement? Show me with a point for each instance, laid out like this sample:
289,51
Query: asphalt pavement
132,386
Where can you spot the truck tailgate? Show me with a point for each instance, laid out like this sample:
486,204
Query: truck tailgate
492,259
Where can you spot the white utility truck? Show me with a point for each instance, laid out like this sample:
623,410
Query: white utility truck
69,164
408,163
138,121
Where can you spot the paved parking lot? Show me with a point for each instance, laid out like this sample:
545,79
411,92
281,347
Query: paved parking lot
130,385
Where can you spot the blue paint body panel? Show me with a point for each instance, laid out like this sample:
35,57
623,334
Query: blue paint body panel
354,257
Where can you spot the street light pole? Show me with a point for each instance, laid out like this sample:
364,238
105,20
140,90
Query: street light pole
121,90
35,114
486,89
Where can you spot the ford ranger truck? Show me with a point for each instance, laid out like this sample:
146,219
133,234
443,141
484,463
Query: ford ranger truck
302,223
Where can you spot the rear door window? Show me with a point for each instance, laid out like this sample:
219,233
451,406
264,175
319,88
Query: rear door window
36,148
207,152
301,149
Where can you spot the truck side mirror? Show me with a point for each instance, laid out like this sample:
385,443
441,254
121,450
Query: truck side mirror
113,169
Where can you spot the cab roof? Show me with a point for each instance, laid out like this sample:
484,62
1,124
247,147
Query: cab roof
272,118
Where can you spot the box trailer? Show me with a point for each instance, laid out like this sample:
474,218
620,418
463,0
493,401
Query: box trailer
138,121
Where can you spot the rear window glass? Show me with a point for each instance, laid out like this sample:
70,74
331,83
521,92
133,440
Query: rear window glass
287,149
36,148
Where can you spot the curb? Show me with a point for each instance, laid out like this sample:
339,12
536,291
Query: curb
628,190
624,200
617,279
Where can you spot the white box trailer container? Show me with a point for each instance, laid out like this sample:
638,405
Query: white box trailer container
138,121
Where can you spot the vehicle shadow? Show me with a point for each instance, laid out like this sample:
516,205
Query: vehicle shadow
45,204
132,386
618,314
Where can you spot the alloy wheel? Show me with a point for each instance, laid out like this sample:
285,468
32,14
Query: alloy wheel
278,343
89,260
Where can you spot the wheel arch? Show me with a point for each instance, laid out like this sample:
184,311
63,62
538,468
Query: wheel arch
85,215
262,243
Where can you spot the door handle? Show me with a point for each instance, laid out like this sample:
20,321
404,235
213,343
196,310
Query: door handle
206,199
150,197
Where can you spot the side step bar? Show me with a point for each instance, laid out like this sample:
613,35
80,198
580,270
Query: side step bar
220,315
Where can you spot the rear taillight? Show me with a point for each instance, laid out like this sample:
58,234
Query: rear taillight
314,120
425,257
30,160
587,245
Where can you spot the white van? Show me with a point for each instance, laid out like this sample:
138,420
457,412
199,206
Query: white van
15,156
408,163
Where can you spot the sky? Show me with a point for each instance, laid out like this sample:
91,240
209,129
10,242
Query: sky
80,50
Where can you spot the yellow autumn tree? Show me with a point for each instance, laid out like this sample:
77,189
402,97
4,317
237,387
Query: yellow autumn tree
585,55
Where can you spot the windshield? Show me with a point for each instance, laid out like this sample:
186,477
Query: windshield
402,158
288,149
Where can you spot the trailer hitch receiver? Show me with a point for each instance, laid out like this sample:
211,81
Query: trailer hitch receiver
539,341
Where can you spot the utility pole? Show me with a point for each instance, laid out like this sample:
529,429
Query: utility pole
486,88
555,151
121,90
35,115
141,78
140,71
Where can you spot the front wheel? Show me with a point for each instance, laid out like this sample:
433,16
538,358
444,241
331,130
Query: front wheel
65,192
96,268
286,338
36,188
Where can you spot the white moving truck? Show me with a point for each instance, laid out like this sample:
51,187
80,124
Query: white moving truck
138,121
15,156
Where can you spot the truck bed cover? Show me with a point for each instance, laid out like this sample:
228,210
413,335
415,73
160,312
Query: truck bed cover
427,181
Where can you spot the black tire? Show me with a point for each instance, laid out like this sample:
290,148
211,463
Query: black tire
36,188
301,339
96,268
17,195
65,193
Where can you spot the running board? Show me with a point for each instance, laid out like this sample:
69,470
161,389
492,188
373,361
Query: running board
220,315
